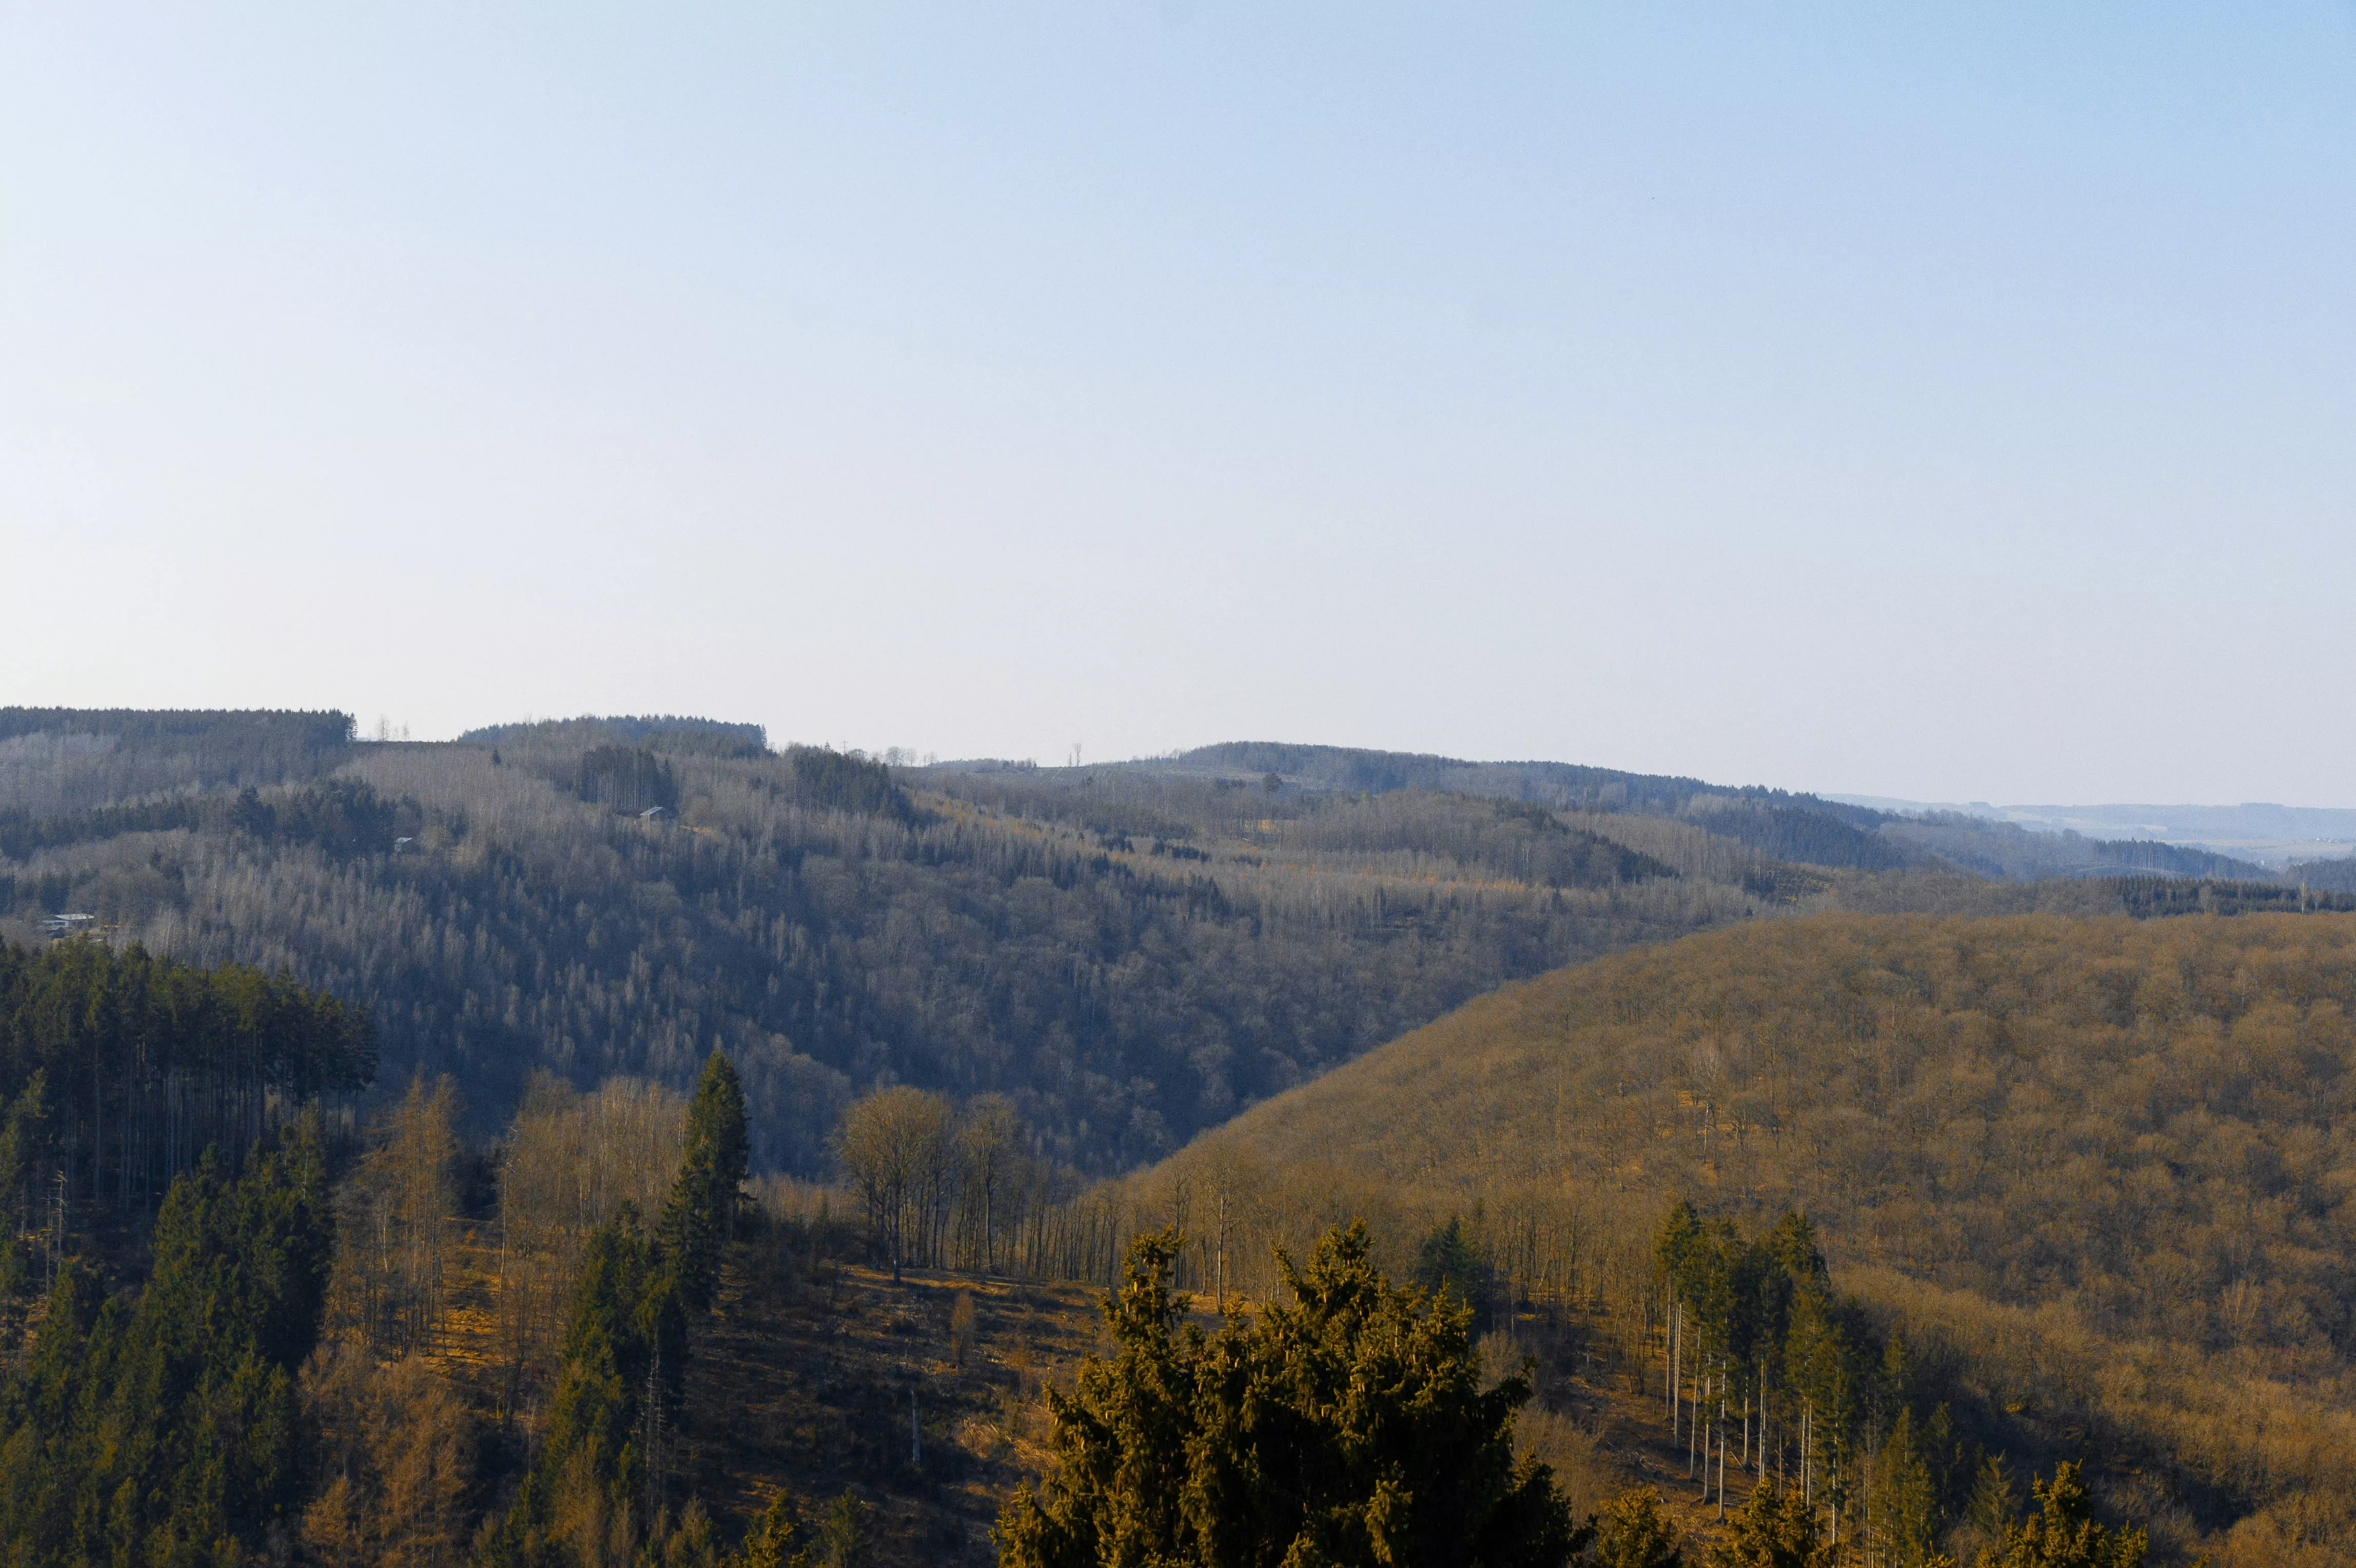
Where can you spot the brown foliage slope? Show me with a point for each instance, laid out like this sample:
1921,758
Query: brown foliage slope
803,1382
2106,1164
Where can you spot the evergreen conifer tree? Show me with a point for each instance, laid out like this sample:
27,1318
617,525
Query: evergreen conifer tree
1449,1261
702,1211
765,1544
2062,1533
624,1355
1636,1531
1994,1498
1346,1426
166,1432
1770,1531
1905,1504
596,1486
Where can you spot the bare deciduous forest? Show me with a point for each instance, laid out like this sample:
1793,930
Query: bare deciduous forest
2094,1171
1132,953
1130,956
612,1141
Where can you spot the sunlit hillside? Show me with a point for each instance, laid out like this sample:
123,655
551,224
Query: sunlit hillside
2099,1169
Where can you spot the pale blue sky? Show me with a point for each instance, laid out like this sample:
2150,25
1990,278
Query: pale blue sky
1944,401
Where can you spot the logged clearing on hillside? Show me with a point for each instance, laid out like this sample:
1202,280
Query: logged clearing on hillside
2099,1170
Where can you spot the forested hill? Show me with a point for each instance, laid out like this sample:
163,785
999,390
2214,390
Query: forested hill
666,731
57,760
1134,953
617,897
2098,1171
1779,823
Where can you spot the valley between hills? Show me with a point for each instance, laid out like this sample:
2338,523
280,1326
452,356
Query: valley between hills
617,1139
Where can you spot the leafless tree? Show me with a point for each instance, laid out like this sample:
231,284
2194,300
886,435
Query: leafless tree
895,1149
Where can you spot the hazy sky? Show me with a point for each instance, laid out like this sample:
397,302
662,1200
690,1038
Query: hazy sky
1947,401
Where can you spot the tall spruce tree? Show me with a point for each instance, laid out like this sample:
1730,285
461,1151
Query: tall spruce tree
1904,1501
1449,1259
585,1501
1347,1426
2062,1533
701,1212
1636,1531
597,1488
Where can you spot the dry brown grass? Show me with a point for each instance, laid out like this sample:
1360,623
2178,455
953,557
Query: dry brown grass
802,1380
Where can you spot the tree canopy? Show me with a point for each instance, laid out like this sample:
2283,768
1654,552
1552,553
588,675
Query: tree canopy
596,1490
1345,1425
164,1432
143,1062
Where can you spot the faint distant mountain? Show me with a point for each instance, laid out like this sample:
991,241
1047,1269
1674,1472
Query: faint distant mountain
2270,835
1850,832
1774,822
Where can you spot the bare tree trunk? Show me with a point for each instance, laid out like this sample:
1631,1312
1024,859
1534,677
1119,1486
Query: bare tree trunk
1223,1248
1693,1434
1669,1359
1676,1363
1722,1445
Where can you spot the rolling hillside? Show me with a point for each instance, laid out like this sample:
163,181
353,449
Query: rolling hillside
617,897
1132,951
2102,1172
1779,823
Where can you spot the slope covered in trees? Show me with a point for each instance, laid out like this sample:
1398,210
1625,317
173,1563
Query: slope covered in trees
65,759
272,1376
1778,823
2098,1169
1129,952
1128,968
669,732
119,1069
164,1428
584,1342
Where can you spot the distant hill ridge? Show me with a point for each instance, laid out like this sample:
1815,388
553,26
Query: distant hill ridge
1132,951
2285,837
696,733
1557,783
58,760
1129,955
314,731
1787,825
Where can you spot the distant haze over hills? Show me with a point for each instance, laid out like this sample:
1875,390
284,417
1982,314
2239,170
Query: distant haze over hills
1132,952
2269,834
